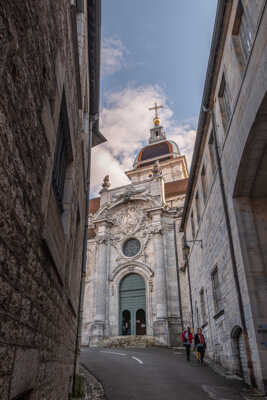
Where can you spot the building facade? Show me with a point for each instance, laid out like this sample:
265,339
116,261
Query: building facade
49,85
224,219
132,284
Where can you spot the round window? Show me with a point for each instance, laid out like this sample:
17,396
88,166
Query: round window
131,247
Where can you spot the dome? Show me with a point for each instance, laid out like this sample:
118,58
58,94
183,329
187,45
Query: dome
162,151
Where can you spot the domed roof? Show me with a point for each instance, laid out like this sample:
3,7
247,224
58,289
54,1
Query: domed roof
162,151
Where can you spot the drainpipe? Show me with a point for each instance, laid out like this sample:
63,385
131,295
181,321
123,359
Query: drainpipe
84,253
232,251
189,284
178,275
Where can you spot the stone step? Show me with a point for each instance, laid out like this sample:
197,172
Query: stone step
129,341
179,349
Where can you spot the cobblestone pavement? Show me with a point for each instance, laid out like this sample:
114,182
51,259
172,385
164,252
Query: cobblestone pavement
159,374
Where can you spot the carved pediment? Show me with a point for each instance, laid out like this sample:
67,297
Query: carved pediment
129,192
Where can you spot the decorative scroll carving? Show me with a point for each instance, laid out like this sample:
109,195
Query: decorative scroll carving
153,229
102,239
128,193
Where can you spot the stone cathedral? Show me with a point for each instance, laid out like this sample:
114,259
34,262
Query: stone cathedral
132,279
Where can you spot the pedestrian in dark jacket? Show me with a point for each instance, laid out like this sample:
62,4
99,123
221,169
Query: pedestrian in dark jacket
187,339
200,344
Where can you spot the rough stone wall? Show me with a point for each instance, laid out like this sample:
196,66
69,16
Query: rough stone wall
38,292
247,90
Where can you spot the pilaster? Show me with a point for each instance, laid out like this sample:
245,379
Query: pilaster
98,326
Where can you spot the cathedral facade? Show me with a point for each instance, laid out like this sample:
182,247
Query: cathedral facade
132,280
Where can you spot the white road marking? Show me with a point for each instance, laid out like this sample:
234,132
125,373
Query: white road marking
113,352
137,359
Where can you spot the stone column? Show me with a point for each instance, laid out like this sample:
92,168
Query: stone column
160,275
160,325
97,329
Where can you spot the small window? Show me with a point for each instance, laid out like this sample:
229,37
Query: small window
197,314
224,101
216,291
197,207
212,152
204,183
193,225
242,35
62,155
203,306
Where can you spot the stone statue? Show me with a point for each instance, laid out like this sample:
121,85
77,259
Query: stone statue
106,183
156,170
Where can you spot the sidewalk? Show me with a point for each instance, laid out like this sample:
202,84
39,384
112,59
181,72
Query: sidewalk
247,393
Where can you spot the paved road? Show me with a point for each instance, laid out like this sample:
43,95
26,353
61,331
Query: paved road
156,374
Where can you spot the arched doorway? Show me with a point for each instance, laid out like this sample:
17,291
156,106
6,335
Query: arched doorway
239,355
250,203
126,322
132,305
140,322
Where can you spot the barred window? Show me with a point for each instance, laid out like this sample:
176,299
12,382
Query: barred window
197,208
62,155
224,101
204,183
203,306
242,35
216,291
193,225
212,153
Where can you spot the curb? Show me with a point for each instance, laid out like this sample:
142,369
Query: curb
94,388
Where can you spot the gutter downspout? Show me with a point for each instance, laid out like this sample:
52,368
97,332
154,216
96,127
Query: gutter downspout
232,251
178,275
84,255
189,284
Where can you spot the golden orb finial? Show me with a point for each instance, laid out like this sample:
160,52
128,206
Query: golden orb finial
156,118
156,121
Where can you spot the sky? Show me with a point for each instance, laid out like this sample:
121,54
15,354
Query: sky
152,50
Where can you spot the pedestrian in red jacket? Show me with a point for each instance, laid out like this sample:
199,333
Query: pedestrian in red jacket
187,338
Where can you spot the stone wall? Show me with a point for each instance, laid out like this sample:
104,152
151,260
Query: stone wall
243,159
40,246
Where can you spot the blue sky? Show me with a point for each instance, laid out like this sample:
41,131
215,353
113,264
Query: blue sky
152,50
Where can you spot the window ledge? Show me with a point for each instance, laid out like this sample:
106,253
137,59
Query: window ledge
218,315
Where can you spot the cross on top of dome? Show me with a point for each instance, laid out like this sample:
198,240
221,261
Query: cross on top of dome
156,118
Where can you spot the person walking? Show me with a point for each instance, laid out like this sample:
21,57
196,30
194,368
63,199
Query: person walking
200,345
187,338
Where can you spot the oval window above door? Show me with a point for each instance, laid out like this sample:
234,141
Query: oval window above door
131,247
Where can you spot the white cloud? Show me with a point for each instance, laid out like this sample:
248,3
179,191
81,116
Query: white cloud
126,123
112,55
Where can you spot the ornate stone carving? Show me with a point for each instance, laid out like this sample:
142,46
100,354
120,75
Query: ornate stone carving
102,239
128,221
155,229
